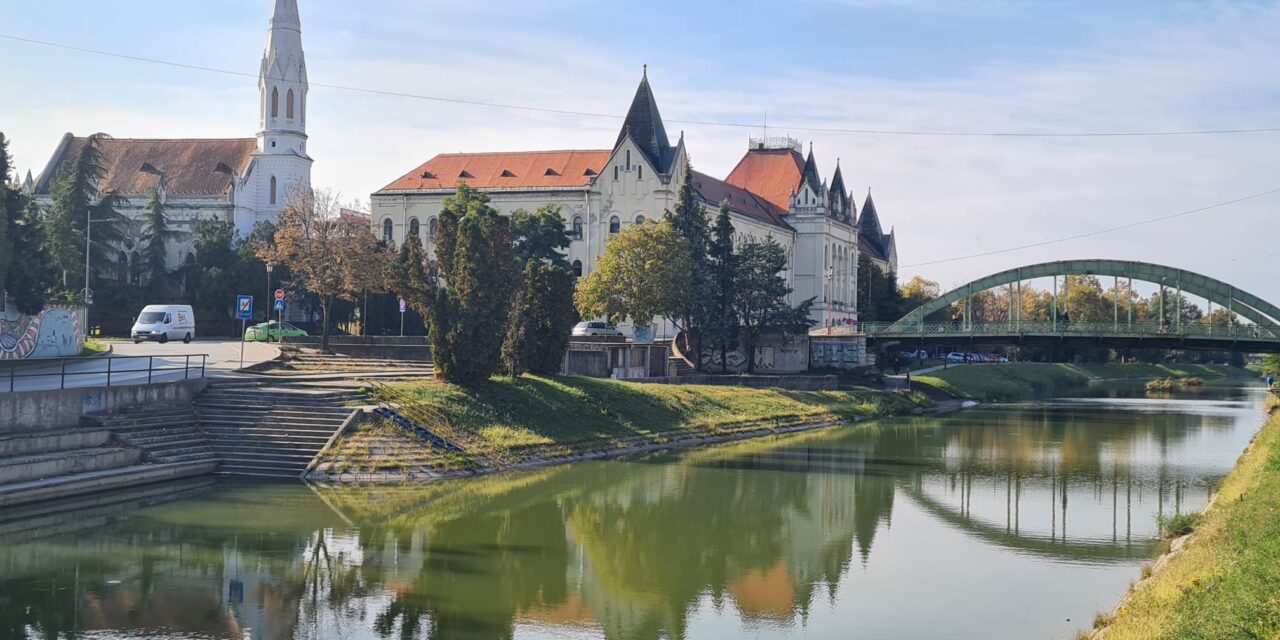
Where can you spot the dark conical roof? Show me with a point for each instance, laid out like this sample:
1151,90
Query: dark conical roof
644,124
837,182
810,172
869,223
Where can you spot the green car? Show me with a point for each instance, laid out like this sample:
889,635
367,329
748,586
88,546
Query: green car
272,332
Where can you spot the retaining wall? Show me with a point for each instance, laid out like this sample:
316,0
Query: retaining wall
63,408
379,347
793,383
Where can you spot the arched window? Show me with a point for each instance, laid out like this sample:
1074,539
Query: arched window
639,172
615,225
413,226
191,259
628,159
577,268
615,172
640,219
577,227
288,104
273,189
432,224
386,229
275,102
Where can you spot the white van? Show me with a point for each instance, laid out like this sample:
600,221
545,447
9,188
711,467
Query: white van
163,322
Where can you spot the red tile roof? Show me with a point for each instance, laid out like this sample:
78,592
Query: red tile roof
527,169
715,191
773,174
190,167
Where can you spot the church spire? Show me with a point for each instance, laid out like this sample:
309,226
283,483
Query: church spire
282,81
644,124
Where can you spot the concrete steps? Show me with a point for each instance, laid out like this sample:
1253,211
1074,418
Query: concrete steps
166,434
93,481
271,431
314,361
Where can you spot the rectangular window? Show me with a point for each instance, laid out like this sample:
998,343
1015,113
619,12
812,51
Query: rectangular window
639,172
628,159
615,172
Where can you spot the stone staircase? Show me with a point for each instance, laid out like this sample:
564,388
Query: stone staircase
312,361
271,431
165,433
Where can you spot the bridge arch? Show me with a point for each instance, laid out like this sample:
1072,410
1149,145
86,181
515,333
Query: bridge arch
1241,302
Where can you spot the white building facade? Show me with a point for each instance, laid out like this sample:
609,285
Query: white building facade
774,192
242,181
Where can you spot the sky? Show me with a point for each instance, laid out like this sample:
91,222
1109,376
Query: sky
966,66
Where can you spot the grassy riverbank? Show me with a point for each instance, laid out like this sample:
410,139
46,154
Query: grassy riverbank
508,421
1024,381
1225,582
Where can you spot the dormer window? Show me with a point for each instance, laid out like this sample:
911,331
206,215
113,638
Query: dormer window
552,172
589,172
427,175
465,174
506,173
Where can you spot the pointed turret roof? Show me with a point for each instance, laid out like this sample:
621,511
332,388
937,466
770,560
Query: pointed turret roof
286,14
644,125
869,223
837,181
810,172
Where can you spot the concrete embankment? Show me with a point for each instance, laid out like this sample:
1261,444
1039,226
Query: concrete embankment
1222,580
64,408
1028,381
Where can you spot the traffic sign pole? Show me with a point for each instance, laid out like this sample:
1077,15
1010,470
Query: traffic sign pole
402,306
244,309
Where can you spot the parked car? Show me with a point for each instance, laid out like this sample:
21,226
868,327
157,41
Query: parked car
272,332
955,356
583,329
164,322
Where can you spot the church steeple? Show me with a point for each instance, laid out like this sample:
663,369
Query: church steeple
282,84
644,125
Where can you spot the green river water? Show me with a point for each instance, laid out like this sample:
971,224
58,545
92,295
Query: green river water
1013,521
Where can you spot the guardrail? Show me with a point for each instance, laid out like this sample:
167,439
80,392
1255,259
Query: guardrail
1250,331
64,370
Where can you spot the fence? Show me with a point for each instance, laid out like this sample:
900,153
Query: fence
56,373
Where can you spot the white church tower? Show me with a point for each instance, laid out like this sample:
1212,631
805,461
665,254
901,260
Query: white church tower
280,165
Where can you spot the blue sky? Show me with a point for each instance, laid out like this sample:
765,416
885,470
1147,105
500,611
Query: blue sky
958,65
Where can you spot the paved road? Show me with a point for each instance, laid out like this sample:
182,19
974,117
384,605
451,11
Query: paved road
166,362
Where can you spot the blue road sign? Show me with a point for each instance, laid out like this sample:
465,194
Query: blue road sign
279,305
244,307
402,305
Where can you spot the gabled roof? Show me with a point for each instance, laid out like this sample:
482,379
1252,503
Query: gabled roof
772,174
714,191
565,169
132,166
644,125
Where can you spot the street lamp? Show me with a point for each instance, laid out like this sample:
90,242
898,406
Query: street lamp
87,294
831,272
266,311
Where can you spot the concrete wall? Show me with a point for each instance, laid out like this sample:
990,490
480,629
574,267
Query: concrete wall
846,352
55,332
44,442
61,409
775,352
380,347
793,383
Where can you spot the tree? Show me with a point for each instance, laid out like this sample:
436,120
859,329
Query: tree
1271,365
410,276
689,220
541,319
322,247
156,233
918,291
643,274
760,299
723,326
878,296
542,314
539,236
76,200
470,310
26,272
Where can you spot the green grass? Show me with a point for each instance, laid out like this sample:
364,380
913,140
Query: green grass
93,347
506,416
1178,525
1226,581
1024,381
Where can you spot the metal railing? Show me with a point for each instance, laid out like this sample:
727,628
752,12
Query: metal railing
56,373
1097,329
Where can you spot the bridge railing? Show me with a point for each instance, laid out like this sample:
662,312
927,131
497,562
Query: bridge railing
1095,329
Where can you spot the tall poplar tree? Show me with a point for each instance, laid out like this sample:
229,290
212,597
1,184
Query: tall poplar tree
470,313
690,221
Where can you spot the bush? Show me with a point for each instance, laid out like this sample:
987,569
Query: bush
1178,525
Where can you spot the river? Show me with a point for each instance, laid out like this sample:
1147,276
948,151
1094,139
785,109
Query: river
1003,521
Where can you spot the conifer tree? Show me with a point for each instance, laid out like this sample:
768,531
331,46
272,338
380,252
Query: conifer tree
542,314
690,221
760,299
469,315
722,327
25,271
76,200
156,233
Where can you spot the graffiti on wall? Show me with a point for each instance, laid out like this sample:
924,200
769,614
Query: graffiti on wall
55,332
775,352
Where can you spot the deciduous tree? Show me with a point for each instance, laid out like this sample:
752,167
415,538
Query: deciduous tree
643,274
539,236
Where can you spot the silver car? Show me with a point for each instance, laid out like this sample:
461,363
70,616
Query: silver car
584,329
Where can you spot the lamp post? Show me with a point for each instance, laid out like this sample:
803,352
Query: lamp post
87,294
265,310
831,272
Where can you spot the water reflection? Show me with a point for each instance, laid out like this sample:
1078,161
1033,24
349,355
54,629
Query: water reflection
767,538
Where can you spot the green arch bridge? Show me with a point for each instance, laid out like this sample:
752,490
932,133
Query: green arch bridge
1260,335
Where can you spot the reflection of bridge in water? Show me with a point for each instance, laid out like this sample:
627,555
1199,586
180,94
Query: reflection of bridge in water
1260,334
